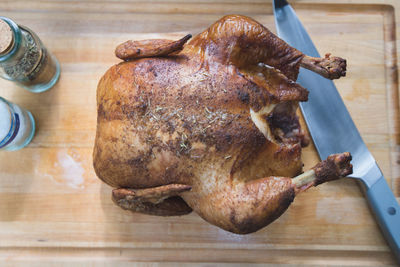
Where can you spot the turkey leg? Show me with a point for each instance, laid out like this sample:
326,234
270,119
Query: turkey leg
247,207
244,42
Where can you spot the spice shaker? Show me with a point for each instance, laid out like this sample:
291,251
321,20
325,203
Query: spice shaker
17,126
24,59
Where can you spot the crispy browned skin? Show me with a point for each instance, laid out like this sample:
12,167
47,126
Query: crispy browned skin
212,121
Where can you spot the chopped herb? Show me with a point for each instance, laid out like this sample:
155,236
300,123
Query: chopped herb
213,120
183,145
184,136
154,116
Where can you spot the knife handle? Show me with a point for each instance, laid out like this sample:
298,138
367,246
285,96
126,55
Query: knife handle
387,211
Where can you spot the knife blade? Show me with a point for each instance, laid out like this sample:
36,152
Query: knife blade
333,130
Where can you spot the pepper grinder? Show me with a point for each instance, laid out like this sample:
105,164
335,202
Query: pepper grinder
24,59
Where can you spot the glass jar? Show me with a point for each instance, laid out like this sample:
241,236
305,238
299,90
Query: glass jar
17,126
25,60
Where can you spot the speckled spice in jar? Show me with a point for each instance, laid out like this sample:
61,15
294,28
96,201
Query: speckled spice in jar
24,59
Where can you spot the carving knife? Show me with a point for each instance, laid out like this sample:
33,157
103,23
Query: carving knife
333,130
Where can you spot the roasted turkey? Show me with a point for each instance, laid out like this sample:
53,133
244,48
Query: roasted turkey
209,125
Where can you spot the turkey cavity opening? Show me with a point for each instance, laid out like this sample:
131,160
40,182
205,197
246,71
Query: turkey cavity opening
279,123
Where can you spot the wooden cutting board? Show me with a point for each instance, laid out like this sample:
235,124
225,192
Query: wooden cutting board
53,209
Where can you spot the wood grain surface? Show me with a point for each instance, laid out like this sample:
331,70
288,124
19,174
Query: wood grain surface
55,212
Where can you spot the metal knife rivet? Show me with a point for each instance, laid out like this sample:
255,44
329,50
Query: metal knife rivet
391,210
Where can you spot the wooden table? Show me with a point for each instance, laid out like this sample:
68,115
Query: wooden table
53,209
